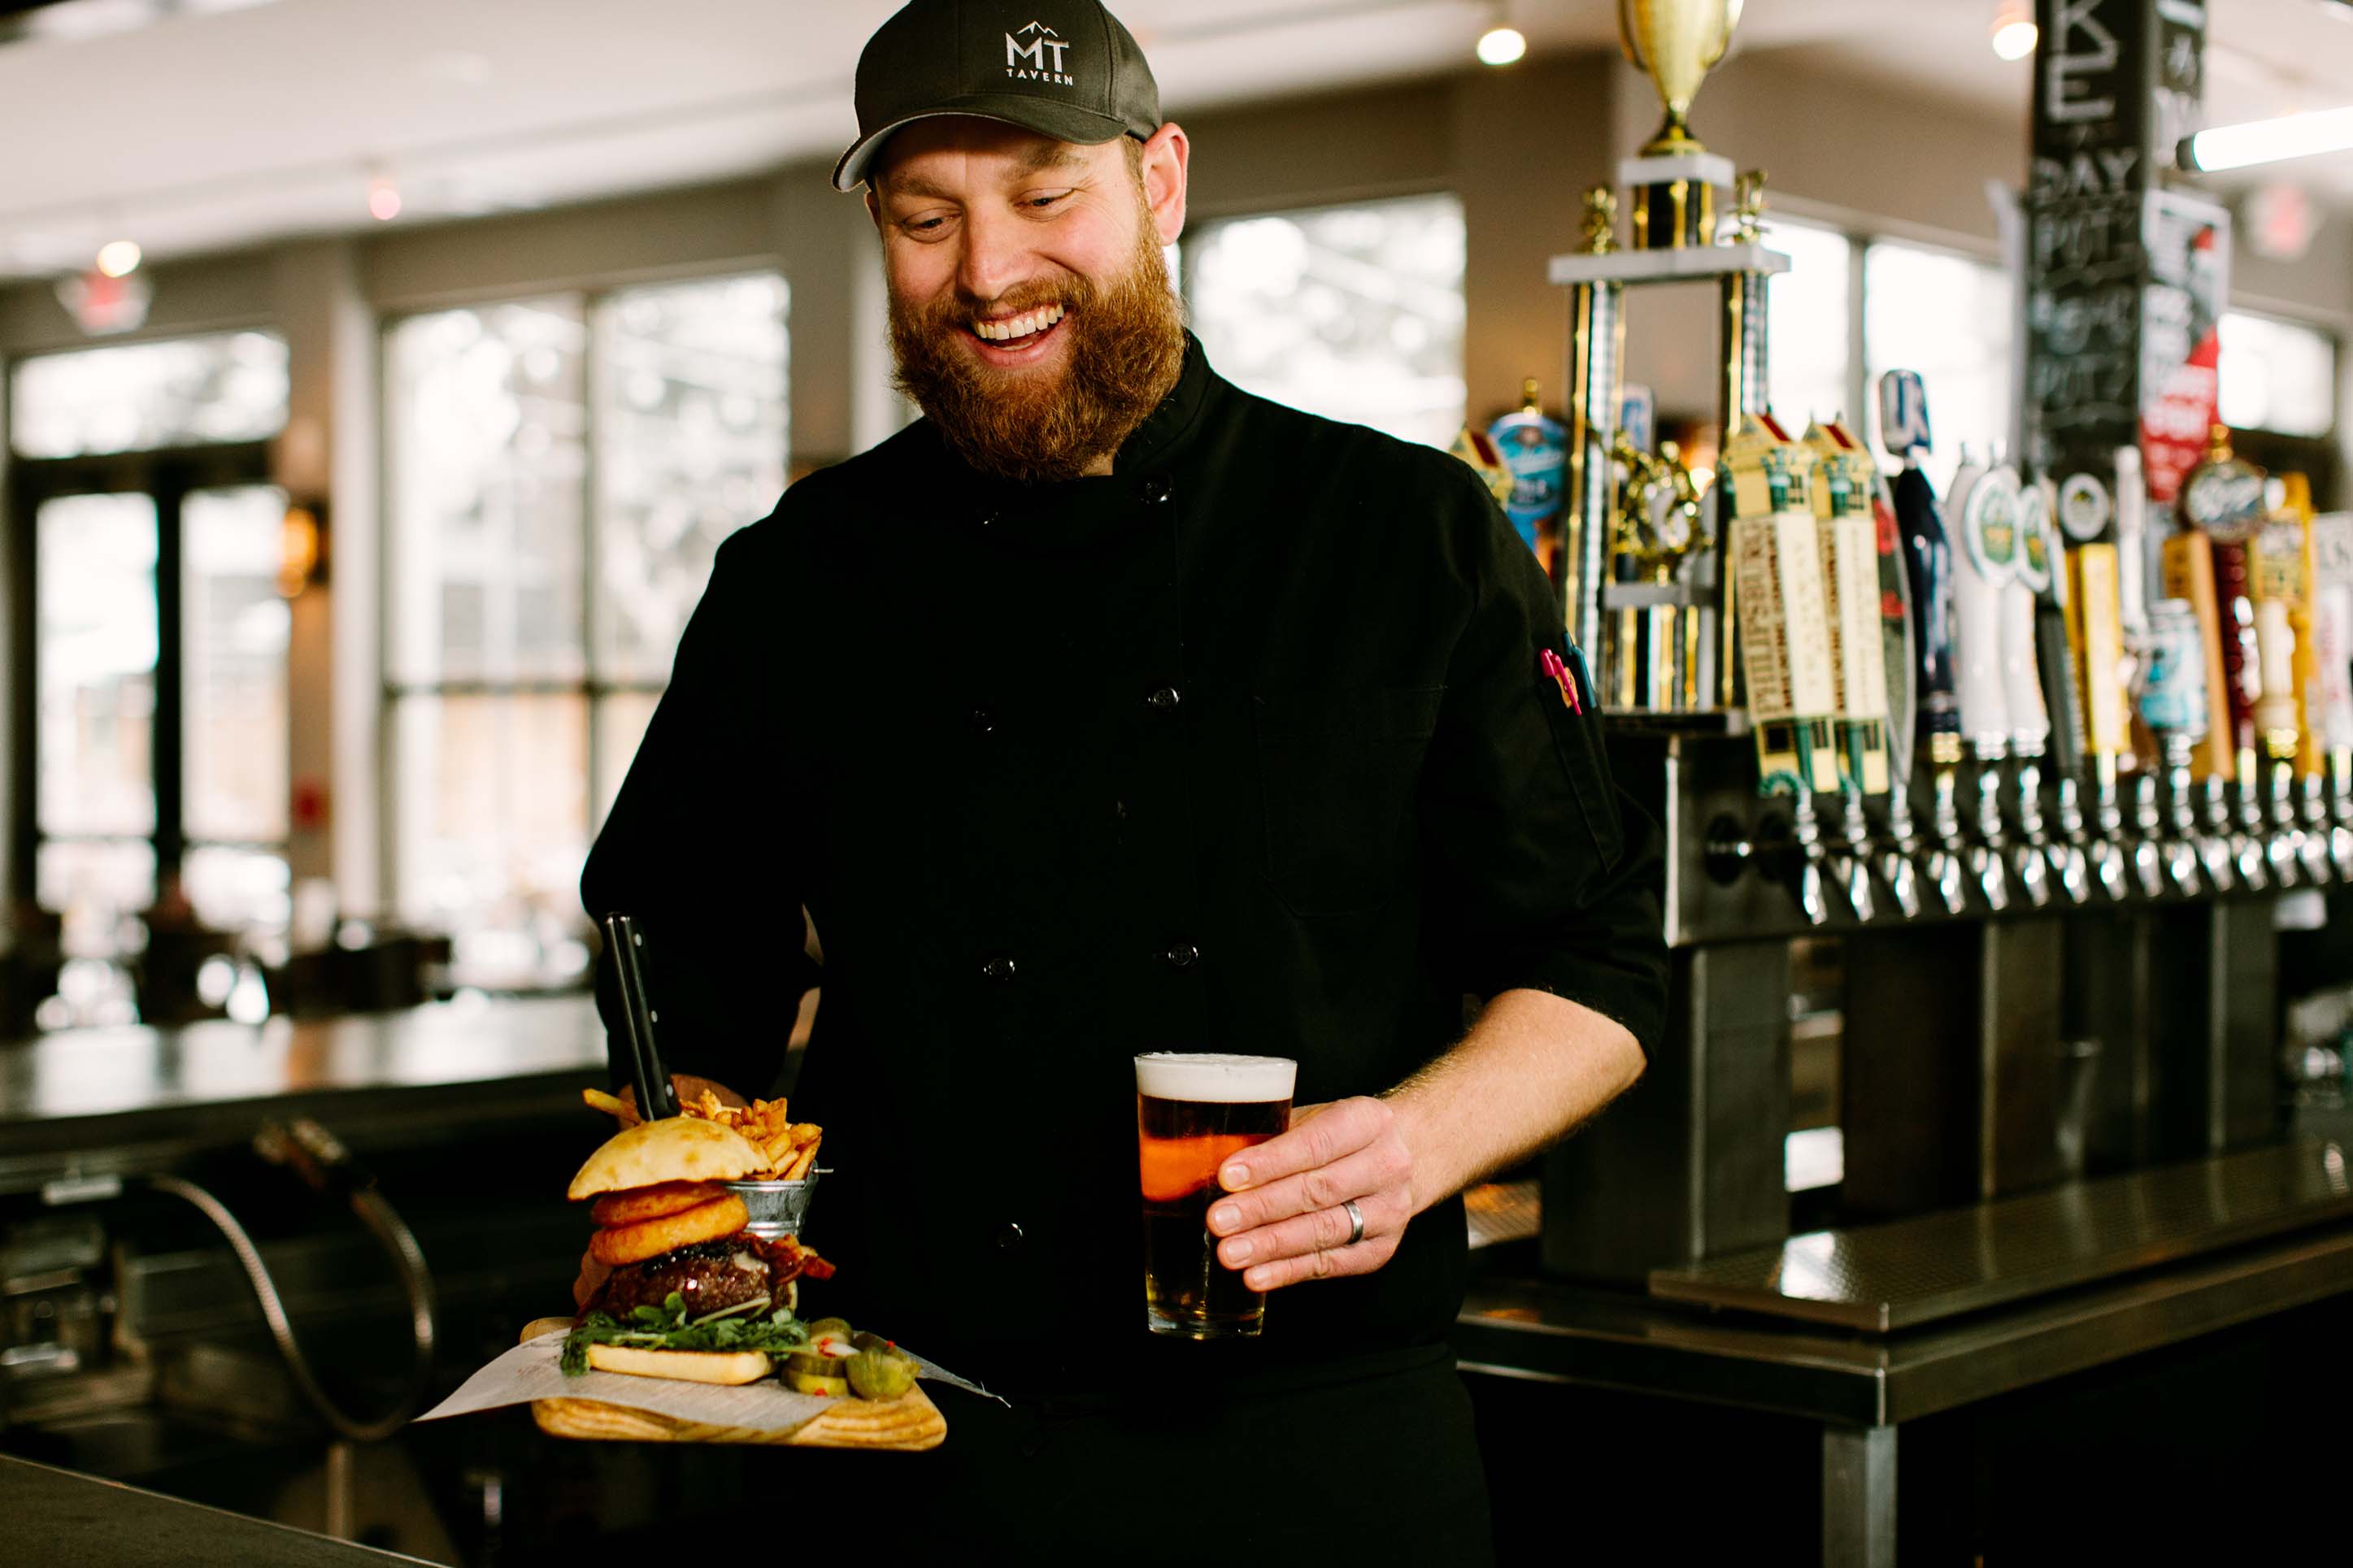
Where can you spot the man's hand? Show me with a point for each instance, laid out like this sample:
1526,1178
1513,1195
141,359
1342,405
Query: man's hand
1283,1221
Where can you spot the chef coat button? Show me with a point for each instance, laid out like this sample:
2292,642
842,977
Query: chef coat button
1164,700
988,517
1182,954
982,720
1008,1237
1154,489
998,968
1119,809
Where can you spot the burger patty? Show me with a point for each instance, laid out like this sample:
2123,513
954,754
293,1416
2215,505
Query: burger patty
709,1275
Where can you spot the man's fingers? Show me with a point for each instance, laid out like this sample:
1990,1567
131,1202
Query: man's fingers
1362,1258
1339,1129
1324,1187
1325,1230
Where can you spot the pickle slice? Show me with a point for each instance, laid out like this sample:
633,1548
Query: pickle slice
811,1372
880,1374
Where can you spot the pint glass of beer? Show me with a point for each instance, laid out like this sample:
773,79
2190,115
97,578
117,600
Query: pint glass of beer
1191,1112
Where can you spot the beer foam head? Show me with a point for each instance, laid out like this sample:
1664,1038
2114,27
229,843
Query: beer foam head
1214,1079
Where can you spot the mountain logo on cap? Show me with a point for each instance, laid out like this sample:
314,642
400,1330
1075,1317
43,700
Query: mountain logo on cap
1029,62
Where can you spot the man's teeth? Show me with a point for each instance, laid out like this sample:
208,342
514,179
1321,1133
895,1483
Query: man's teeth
1012,327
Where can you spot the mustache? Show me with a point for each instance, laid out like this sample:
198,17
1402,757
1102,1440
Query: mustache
957,314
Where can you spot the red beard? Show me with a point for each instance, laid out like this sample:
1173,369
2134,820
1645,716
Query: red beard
1126,345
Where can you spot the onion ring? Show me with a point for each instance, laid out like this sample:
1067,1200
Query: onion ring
713,1221
651,1203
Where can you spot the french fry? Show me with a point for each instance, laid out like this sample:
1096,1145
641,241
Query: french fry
805,1132
802,1164
611,1105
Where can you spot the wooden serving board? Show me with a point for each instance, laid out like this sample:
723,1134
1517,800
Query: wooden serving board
908,1422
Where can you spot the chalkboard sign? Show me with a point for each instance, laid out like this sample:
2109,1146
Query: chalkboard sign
2116,83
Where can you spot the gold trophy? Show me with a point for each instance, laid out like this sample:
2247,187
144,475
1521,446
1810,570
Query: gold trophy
1676,43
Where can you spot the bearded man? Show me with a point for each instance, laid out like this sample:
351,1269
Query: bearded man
1110,709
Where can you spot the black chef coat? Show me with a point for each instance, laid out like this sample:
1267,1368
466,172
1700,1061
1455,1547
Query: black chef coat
1248,746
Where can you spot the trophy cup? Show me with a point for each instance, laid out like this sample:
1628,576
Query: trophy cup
1674,183
1676,43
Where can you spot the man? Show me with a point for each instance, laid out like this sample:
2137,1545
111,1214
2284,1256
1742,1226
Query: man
1107,709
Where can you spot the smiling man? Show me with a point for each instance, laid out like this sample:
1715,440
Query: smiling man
1108,709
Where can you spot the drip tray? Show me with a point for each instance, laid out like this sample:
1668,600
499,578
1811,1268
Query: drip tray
1885,1276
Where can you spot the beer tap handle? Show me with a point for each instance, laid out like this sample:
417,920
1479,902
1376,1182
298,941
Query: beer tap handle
2149,852
2246,842
2214,843
1988,858
1896,868
2312,833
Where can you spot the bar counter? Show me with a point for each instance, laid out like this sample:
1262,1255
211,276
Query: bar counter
98,1102
57,1516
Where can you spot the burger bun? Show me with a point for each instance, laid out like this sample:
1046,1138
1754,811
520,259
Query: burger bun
728,1367
674,1149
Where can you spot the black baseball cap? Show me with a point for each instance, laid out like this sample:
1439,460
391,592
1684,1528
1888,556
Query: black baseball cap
1064,68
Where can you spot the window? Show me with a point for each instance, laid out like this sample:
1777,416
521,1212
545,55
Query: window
1943,313
1353,312
1806,315
2278,375
148,538
139,397
1949,317
562,471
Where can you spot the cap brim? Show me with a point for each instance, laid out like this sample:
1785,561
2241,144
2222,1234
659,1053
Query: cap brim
1062,121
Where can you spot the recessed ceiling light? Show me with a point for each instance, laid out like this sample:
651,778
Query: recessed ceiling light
383,199
119,258
1502,46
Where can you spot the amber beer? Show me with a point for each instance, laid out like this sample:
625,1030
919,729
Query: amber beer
1192,1112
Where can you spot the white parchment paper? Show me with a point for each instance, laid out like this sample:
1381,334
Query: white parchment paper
530,1372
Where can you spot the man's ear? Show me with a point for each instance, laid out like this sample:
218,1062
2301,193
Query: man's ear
873,205
1165,159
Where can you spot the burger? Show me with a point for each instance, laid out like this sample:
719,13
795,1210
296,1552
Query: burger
686,1290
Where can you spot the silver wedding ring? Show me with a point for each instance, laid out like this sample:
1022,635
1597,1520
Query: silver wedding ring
1356,1223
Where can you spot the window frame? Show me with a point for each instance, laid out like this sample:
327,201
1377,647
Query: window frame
593,685
169,473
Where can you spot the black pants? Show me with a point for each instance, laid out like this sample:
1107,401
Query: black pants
1374,1470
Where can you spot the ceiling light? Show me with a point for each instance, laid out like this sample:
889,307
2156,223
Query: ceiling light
2268,141
2014,33
1502,46
383,199
119,258
2015,40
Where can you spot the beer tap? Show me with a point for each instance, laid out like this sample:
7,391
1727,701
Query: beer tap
2173,706
1901,855
2108,833
1985,504
2312,837
1945,868
2190,848
1927,562
2328,701
2041,856
2248,847
2340,811
2279,579
1847,538
1784,638
2130,563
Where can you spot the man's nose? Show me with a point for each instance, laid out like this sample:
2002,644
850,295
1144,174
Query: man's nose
993,260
